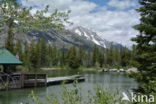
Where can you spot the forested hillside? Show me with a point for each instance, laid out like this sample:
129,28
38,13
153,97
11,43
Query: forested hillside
40,54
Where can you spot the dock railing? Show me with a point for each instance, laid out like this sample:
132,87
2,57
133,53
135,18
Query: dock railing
30,80
17,80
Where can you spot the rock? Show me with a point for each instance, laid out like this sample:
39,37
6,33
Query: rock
105,70
121,70
49,69
132,70
113,70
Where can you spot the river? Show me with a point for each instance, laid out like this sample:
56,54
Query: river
109,81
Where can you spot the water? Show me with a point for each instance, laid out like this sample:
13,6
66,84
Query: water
109,81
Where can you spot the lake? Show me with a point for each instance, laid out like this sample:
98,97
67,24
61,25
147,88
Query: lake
108,81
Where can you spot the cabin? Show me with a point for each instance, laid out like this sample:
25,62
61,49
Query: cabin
11,80
7,59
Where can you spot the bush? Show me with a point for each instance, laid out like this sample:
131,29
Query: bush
74,96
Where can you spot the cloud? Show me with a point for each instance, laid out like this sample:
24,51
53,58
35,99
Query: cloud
121,4
113,25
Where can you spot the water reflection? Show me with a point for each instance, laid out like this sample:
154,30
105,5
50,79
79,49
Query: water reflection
109,81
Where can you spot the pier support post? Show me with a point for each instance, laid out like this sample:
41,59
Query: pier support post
35,80
46,80
7,83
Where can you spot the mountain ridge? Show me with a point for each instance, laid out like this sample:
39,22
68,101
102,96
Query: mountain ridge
93,36
77,36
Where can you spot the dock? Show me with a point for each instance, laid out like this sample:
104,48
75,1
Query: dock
67,79
18,81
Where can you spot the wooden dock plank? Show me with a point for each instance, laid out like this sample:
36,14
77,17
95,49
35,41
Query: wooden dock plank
66,79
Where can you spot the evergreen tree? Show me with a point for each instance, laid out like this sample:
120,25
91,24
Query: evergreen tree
124,58
9,43
105,57
73,60
101,59
54,56
95,55
49,55
33,56
146,46
88,59
109,53
63,56
81,54
117,57
38,53
43,49
18,48
26,55
133,61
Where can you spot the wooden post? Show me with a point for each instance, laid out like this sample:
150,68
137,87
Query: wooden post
45,79
35,80
7,83
22,80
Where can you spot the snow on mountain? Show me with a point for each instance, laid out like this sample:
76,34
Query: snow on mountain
93,37
90,35
95,41
78,32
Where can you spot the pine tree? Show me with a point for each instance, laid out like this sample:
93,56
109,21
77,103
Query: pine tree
49,55
33,56
81,54
38,53
110,56
43,50
63,56
117,57
133,61
18,48
73,60
101,59
54,56
95,55
105,57
26,55
88,59
146,46
9,43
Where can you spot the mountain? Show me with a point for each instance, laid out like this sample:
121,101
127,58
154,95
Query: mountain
92,36
78,36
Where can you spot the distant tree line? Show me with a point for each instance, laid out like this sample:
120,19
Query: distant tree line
40,54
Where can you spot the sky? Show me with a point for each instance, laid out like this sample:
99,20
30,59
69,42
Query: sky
111,19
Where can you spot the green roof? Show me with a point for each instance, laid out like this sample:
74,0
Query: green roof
8,58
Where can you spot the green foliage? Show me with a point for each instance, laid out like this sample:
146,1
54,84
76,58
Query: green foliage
73,60
74,96
40,54
146,46
9,43
16,19
95,55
